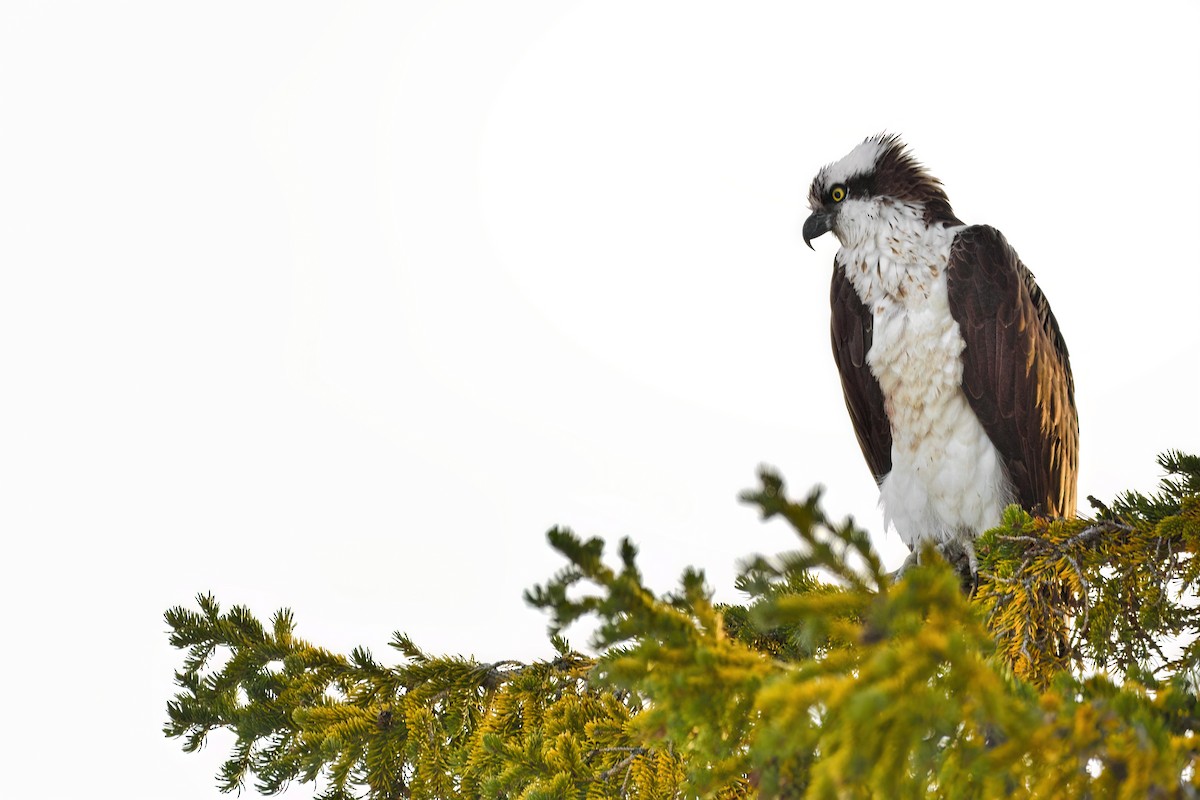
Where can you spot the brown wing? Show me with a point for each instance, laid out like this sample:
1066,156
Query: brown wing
850,327
1016,373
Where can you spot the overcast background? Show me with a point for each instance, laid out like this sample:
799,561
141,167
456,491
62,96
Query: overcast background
340,307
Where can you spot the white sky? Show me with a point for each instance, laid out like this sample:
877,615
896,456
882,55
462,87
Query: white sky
340,307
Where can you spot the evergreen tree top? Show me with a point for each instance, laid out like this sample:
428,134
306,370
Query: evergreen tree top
1058,675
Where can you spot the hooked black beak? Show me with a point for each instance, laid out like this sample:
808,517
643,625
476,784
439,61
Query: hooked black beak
819,222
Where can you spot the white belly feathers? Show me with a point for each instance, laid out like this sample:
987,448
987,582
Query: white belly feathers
947,481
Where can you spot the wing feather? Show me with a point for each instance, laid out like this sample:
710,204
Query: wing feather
1016,370
851,331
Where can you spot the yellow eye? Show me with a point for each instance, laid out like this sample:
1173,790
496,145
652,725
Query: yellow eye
838,193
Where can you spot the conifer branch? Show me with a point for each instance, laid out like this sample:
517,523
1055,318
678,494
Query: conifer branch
831,680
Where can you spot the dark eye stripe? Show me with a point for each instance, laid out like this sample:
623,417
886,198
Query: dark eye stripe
861,186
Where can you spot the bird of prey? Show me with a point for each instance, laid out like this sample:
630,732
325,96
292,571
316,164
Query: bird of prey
953,367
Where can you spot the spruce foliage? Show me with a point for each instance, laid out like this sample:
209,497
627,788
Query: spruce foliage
1068,670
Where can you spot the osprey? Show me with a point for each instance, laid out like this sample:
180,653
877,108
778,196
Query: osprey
953,367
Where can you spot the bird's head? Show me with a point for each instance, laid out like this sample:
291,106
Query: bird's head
849,196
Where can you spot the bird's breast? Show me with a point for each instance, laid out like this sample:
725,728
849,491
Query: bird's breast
947,479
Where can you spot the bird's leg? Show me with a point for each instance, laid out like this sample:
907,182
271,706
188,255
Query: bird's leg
913,559
960,554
